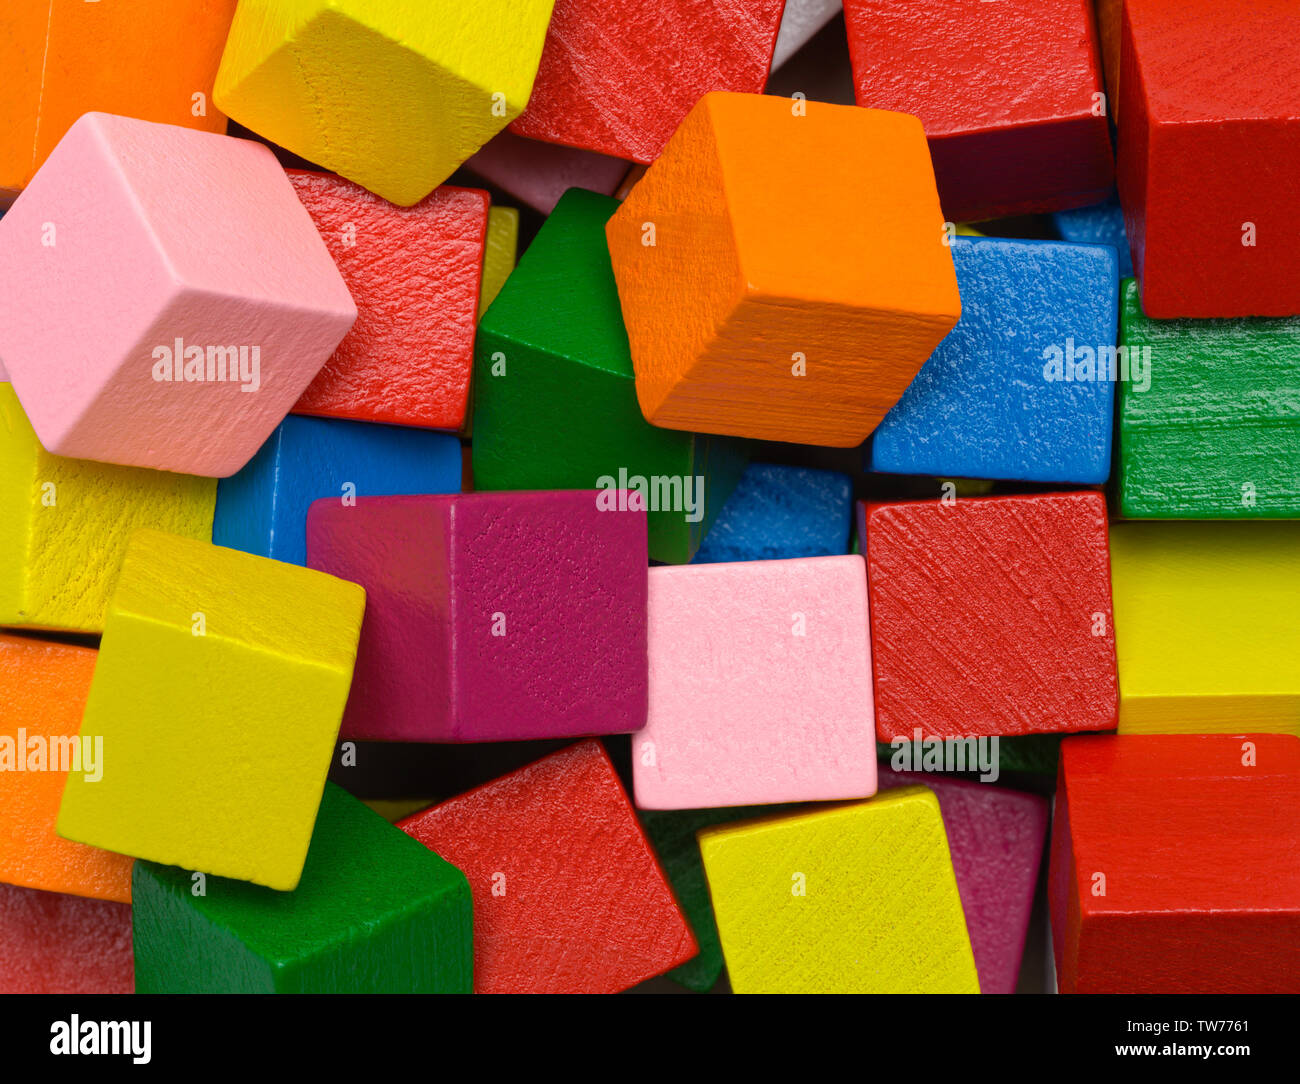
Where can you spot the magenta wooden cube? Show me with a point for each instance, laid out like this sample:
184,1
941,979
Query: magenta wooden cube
491,616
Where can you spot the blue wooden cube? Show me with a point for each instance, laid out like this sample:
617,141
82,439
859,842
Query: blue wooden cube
1100,224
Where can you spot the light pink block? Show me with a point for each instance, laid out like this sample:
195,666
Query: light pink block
135,235
538,174
760,685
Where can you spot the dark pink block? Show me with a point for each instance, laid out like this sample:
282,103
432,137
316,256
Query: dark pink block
491,616
996,838
56,944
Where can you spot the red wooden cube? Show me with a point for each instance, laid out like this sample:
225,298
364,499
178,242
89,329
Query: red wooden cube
56,944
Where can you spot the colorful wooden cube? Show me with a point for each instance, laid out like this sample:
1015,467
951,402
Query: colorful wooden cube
219,310
858,898
56,944
1022,388
1100,224
1173,865
568,895
356,87
538,174
491,616
500,250
990,615
554,402
1013,103
218,692
263,508
754,314
760,685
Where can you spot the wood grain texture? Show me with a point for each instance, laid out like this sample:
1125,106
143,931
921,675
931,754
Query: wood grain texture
56,944
1174,865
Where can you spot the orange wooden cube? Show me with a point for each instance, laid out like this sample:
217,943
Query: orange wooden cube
783,270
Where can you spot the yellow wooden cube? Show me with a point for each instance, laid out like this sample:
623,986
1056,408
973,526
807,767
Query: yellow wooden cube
1207,626
855,898
393,96
499,252
64,525
218,692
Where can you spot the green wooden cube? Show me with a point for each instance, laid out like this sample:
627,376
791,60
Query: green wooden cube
375,912
555,402
1216,435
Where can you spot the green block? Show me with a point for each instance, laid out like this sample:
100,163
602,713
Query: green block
1217,433
554,394
375,912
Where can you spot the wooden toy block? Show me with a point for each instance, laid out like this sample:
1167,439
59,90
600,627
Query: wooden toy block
56,944
752,314
858,898
620,80
220,309
354,87
1109,19
554,405
374,913
263,509
1205,623
396,809
1100,224
500,247
54,58
1213,431
1173,865
218,692
990,615
777,512
1209,155
64,524
538,174
491,616
760,685
1013,104
43,689
1022,387
996,837
414,273
800,22
568,895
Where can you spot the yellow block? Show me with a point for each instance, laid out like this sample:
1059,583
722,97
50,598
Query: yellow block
857,898
1207,627
498,254
392,94
64,525
393,810
218,692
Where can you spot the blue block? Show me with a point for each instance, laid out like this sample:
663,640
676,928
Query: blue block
263,508
992,400
1100,224
776,512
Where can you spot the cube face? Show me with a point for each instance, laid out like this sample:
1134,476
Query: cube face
1100,224
760,685
1142,866
568,895
227,782
603,91
414,274
761,341
56,944
1203,435
991,616
1021,387
374,913
538,174
1016,116
834,901
1205,627
500,247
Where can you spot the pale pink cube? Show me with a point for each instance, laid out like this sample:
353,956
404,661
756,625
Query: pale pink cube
136,242
760,685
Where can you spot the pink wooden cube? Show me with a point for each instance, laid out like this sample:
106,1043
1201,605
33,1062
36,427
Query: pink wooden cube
760,685
538,174
164,297
491,616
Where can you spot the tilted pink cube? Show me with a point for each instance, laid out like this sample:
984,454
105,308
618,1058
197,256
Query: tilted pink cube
760,685
491,616
164,297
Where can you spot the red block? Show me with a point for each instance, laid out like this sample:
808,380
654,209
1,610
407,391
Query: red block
1008,92
1175,866
56,944
991,615
1209,155
414,273
568,895
619,78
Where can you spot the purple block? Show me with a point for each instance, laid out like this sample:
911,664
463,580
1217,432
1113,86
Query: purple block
491,616
996,838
